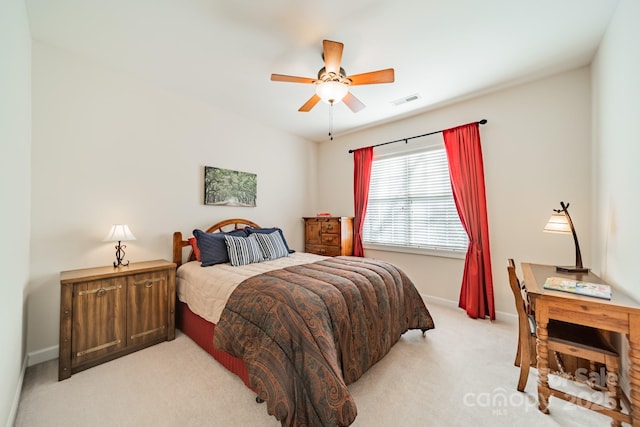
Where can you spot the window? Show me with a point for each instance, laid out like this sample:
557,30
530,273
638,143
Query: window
411,205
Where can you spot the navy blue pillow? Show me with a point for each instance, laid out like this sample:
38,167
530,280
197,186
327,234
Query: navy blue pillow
213,248
269,231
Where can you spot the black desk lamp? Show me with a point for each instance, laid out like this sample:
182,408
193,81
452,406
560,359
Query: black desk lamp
560,222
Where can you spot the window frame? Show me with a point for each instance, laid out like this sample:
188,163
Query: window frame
386,152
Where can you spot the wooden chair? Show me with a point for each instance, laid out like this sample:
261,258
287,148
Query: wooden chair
526,351
564,338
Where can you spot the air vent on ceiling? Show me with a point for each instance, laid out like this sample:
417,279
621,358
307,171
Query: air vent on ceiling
405,99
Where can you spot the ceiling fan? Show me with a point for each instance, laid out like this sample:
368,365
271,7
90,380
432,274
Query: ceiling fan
332,84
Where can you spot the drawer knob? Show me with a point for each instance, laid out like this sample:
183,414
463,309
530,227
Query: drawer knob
100,292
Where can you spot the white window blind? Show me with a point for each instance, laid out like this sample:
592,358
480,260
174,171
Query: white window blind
411,204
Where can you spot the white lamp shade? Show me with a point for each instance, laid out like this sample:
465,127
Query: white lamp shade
331,92
558,224
119,233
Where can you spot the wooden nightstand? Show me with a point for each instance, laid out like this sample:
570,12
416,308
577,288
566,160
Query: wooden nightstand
107,312
331,236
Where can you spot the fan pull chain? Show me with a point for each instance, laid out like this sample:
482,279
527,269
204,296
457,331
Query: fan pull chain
331,120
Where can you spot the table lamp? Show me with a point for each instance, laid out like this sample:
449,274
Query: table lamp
119,233
560,222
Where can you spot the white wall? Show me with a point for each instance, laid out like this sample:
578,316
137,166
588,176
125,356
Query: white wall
110,148
536,149
15,183
616,88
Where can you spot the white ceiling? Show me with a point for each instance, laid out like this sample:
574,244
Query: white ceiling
224,52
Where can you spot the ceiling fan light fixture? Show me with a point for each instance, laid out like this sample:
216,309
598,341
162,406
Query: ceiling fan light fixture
332,84
331,92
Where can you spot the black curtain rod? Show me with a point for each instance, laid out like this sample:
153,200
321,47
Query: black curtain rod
483,121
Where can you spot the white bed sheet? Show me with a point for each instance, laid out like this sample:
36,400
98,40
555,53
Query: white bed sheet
206,290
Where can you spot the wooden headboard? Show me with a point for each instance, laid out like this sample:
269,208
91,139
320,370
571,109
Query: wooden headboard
222,226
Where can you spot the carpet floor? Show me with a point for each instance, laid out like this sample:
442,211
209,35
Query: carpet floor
459,374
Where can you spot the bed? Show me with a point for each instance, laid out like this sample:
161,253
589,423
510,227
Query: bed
297,328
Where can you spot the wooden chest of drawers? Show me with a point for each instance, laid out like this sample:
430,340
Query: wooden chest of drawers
331,236
107,312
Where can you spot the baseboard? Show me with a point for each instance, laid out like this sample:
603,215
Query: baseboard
507,317
43,355
16,398
501,315
440,301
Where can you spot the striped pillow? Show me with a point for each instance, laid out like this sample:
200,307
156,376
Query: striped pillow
272,245
243,250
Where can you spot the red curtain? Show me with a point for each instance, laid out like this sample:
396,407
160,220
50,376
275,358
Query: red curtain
362,160
466,171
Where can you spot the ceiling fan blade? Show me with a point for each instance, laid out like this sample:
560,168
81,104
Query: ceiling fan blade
352,102
332,53
373,77
291,79
310,103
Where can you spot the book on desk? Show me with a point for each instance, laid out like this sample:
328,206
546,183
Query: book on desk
597,290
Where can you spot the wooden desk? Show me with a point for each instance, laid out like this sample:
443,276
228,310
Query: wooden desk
621,314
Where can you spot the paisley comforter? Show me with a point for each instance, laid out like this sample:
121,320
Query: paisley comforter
305,332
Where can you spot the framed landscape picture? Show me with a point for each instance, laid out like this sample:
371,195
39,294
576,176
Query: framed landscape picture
225,187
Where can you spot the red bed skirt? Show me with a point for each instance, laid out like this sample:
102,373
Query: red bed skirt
201,331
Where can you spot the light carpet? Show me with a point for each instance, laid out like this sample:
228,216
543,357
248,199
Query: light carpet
459,374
